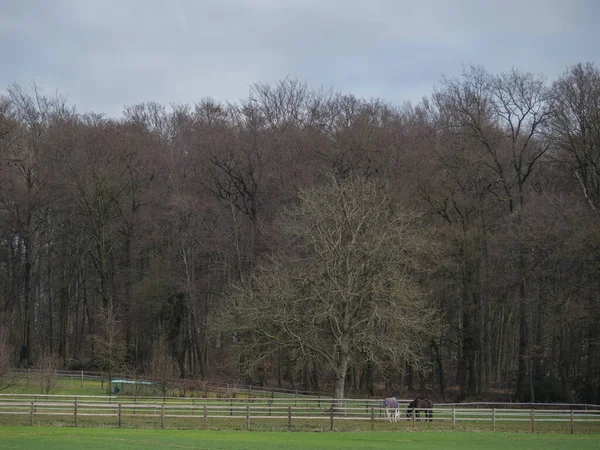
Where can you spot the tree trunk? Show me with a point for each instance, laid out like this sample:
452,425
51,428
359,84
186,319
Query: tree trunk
523,343
340,378
366,379
592,370
565,384
440,366
28,310
411,377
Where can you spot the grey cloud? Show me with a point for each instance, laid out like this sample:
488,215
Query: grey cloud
108,54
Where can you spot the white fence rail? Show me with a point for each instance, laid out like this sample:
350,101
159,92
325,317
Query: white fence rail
113,411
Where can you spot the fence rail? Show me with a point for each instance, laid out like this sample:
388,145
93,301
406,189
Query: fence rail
292,401
200,413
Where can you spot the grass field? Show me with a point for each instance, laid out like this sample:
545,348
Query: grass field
72,385
65,385
131,439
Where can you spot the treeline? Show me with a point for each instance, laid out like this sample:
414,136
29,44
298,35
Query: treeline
119,239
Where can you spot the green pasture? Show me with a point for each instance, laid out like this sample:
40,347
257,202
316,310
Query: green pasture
281,424
73,385
65,385
131,439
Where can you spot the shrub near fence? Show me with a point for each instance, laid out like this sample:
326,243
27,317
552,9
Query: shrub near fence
282,414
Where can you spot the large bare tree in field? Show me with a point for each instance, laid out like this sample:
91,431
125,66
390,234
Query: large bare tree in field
345,283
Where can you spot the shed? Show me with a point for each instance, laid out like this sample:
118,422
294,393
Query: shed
119,385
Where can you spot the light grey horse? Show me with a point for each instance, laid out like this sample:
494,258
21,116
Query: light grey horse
391,408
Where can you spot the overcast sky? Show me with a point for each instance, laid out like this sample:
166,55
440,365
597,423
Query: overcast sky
105,54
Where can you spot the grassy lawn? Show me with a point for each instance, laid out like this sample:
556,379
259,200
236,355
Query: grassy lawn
71,385
65,385
130,439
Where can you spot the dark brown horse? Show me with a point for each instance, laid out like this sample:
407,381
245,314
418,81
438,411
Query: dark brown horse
420,404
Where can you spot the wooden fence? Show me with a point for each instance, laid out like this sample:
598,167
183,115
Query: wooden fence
285,413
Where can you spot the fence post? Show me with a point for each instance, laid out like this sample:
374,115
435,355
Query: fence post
331,418
453,418
193,407
28,376
101,381
32,411
270,406
75,412
572,422
247,418
205,418
134,402
120,420
372,419
532,421
81,382
494,419
231,407
162,416
289,418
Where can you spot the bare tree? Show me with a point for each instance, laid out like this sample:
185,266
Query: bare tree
47,375
575,137
345,283
575,130
29,120
7,360
109,343
500,120
162,368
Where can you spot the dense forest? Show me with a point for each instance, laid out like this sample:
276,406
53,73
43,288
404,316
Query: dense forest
177,237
